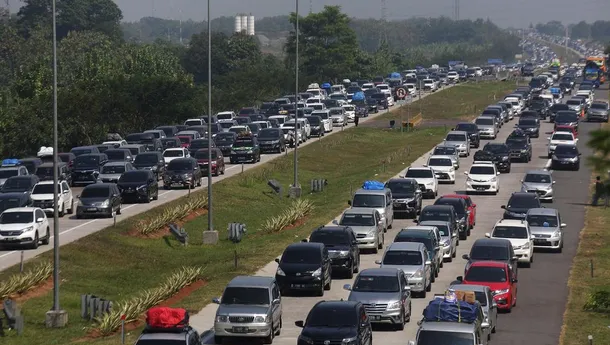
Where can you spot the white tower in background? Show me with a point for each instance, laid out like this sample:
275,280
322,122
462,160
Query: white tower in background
244,22
251,25
238,23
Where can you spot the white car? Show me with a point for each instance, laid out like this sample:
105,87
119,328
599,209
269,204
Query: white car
426,179
42,197
430,84
367,86
326,120
317,106
517,104
443,167
586,93
411,89
350,112
115,143
385,88
453,77
518,233
175,152
226,116
483,177
25,226
558,138
338,117
312,100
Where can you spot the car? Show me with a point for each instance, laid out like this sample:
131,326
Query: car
483,177
406,196
385,293
566,157
99,199
499,277
509,106
342,247
487,127
485,296
413,259
175,153
304,266
501,156
224,141
138,186
540,182
45,172
519,203
82,150
153,161
378,199
560,138
272,140
217,164
430,236
42,197
459,139
10,168
24,226
443,168
556,108
171,142
492,249
425,177
546,227
182,172
566,129
245,149
567,118
338,116
530,125
13,200
444,213
367,225
449,151
520,237
471,207
598,111
202,143
112,171
520,147
20,184
252,302
461,211
170,131
576,105
449,237
87,167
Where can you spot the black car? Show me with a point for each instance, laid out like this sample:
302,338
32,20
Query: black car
182,172
304,267
170,142
406,196
556,108
45,172
20,184
461,210
520,148
537,85
541,108
224,141
371,105
243,120
83,150
492,249
342,246
170,131
99,199
13,200
272,140
565,157
199,144
139,186
529,125
501,154
103,148
567,118
473,132
519,203
68,158
332,322
86,168
381,99
245,149
484,156
153,161
119,155
445,213
317,126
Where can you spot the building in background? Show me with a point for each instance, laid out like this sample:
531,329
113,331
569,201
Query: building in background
245,24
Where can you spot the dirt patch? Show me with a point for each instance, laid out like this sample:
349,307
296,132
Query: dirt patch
165,230
37,291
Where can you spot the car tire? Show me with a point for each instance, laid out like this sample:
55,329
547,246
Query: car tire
47,238
118,211
328,285
400,326
147,199
380,242
71,209
432,277
34,244
350,271
156,196
462,236
218,340
427,289
376,249
62,212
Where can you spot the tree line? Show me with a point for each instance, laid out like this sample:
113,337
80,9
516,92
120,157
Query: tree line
108,82
597,31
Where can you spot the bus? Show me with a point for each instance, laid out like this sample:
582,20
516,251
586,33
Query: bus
600,61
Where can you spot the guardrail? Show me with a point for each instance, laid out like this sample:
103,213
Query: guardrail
414,121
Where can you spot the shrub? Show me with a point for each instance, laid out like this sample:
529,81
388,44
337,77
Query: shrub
135,307
297,210
171,213
598,301
22,282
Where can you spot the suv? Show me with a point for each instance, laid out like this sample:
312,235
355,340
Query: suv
459,139
87,168
245,149
463,214
304,267
139,185
492,249
272,140
380,200
473,133
519,235
443,167
24,226
333,322
520,147
529,125
367,225
251,306
183,172
413,259
540,182
501,153
342,248
10,171
487,127
99,199
385,293
42,196
406,196
430,237
483,177
519,203
546,228
426,179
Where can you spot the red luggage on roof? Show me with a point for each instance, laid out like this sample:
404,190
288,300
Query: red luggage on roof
165,317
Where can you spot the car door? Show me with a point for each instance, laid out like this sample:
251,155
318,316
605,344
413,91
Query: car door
406,294
67,193
115,197
364,327
389,208
42,226
276,307
427,268
326,268
354,247
493,308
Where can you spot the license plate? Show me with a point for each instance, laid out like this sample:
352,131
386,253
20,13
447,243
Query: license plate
92,209
296,286
565,162
480,188
10,239
539,241
375,317
240,329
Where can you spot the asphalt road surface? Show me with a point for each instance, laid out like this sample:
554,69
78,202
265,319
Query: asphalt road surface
71,229
542,289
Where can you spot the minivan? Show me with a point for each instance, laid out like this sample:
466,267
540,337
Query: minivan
381,200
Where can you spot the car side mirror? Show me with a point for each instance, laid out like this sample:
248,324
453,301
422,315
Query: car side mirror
503,207
580,154
78,196
459,278
299,323
347,287
39,220
497,173
553,182
485,325
216,300
563,225
277,301
277,260
411,342
514,280
378,262
466,257
548,138
532,237
466,173
428,263
336,222
474,205
514,258
494,304
488,235
66,191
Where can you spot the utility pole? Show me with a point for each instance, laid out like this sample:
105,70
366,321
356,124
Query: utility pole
566,43
210,142
180,30
295,189
310,6
456,10
383,34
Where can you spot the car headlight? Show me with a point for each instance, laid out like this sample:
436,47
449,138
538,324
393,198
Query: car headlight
446,243
371,233
233,152
555,157
305,339
430,184
573,159
556,234
418,274
523,150
349,341
29,228
500,292
317,272
504,159
222,318
105,203
343,253
494,179
141,187
394,305
279,272
250,152
260,319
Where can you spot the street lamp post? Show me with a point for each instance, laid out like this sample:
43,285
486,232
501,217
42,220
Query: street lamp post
56,317
210,144
295,189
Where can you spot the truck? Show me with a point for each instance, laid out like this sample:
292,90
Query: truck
593,74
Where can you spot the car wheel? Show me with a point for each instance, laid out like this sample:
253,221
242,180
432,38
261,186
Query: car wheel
328,285
380,242
400,326
147,199
71,209
218,340
47,238
61,212
350,271
35,242
118,211
428,288
156,196
432,277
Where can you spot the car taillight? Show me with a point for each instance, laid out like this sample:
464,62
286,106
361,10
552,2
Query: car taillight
214,163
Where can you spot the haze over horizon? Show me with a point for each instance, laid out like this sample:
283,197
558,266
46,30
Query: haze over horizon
501,12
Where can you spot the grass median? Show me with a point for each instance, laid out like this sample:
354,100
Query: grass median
116,266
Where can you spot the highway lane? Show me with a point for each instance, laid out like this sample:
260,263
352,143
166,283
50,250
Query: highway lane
71,229
542,288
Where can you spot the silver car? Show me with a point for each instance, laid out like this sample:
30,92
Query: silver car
338,116
449,241
540,182
385,294
598,111
112,171
546,227
484,295
367,226
449,151
250,307
460,140
487,127
412,258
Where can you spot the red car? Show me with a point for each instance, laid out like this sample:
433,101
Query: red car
185,140
500,279
218,161
568,129
472,207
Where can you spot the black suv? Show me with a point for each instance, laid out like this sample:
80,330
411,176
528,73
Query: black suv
445,213
501,155
473,132
461,210
520,148
245,149
342,248
86,168
334,322
406,196
519,203
529,125
45,172
555,108
183,172
304,267
540,107
20,184
271,140
152,161
224,141
139,185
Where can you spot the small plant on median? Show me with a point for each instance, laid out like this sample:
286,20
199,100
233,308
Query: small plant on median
171,213
135,307
22,282
598,301
297,210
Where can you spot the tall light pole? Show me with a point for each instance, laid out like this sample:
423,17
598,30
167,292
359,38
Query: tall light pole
56,317
296,192
210,144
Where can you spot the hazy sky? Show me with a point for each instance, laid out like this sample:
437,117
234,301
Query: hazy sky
517,13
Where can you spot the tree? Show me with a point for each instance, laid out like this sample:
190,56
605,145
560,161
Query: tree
553,28
600,143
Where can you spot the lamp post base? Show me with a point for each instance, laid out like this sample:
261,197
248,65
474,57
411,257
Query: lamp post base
56,318
295,192
210,237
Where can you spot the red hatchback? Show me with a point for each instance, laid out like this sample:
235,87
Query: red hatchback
472,207
568,129
500,279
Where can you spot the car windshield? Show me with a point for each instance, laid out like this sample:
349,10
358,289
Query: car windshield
573,102
328,317
330,238
78,152
440,162
270,134
86,161
17,218
173,153
482,170
402,258
419,173
482,252
537,178
226,125
516,142
527,122
227,116
496,148
376,284
455,137
523,201
6,173
467,127
559,106
566,150
313,120
401,187
302,256
245,295
203,154
434,215
115,154
184,139
486,274
442,229
517,232
357,220
226,137
566,118
146,158
599,106
445,150
193,123
179,166
8,202
18,183
46,188
542,220
368,200
243,143
95,192
134,176
484,121
562,136
113,169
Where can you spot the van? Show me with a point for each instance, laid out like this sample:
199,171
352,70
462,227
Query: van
135,149
381,200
